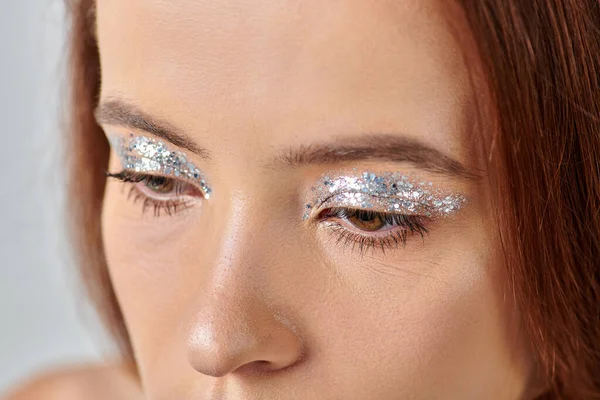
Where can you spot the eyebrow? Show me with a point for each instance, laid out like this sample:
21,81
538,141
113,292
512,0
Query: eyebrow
121,113
383,147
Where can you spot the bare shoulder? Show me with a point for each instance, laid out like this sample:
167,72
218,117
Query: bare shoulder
93,382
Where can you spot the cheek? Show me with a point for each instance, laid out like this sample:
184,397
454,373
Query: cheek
152,276
431,316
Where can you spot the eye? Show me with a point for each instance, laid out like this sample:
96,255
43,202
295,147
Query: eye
159,184
367,229
159,192
165,188
366,220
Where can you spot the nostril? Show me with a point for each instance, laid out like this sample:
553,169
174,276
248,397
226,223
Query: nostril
258,367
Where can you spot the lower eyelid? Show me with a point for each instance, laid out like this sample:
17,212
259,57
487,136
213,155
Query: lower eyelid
144,190
141,186
189,190
168,206
340,223
361,242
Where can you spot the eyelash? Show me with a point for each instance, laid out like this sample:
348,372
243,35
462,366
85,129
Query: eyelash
403,226
169,206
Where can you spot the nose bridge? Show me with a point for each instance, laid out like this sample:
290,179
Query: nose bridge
233,326
231,229
243,247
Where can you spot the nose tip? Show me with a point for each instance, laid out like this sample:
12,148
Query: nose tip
234,343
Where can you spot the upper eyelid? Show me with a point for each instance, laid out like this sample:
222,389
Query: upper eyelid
388,191
149,155
330,202
141,177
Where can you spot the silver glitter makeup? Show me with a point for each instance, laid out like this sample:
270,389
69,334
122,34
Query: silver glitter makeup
148,155
386,192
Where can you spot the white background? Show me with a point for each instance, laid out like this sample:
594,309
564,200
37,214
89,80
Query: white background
44,318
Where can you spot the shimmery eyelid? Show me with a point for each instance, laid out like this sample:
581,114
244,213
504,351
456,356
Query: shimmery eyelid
386,192
147,155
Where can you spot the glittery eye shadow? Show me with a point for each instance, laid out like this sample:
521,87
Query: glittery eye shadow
385,192
147,155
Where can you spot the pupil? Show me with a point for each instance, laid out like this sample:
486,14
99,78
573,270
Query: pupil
366,217
157,182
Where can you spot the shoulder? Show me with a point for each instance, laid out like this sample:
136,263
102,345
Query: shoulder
113,381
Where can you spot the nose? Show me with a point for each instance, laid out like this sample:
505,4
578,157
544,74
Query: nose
241,335
241,321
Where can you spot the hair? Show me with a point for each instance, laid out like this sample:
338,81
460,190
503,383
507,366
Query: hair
541,61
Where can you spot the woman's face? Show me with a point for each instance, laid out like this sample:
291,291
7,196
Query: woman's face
306,214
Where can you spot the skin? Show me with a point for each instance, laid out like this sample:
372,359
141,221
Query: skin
93,382
237,297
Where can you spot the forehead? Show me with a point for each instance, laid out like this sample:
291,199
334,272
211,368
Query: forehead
312,61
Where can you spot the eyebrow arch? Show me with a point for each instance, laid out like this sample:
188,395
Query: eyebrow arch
122,113
384,147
